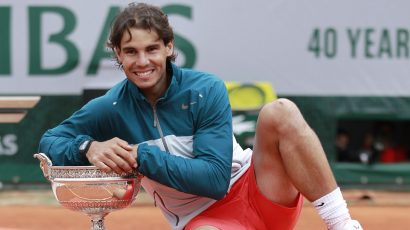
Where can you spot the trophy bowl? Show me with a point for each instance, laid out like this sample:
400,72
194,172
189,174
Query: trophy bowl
89,190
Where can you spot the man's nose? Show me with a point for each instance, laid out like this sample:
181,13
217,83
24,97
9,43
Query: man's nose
142,59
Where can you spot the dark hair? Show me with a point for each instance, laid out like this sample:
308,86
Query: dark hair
343,131
141,16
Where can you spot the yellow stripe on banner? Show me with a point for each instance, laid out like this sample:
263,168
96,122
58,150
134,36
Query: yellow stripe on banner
14,117
250,96
14,108
18,102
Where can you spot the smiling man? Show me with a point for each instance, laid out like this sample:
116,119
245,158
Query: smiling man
143,57
174,126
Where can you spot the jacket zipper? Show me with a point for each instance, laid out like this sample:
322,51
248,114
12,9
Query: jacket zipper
158,125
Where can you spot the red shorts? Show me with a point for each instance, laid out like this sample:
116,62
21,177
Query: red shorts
245,208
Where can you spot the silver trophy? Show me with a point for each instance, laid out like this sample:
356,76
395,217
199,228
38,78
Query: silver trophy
89,190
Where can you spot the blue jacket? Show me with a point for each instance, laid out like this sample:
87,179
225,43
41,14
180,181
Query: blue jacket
185,139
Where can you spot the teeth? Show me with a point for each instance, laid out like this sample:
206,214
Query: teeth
142,74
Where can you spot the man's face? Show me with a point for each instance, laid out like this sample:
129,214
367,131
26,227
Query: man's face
143,57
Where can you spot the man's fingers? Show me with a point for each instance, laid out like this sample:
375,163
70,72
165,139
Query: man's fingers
113,155
115,165
125,145
127,155
103,167
109,161
121,164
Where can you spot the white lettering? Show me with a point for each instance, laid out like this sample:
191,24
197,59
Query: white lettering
8,145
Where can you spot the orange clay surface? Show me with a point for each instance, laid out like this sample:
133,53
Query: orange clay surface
38,210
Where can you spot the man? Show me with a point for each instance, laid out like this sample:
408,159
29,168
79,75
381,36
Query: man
342,144
174,126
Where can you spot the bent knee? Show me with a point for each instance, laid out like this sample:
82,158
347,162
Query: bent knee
280,107
281,113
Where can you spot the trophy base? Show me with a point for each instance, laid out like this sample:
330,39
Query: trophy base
97,223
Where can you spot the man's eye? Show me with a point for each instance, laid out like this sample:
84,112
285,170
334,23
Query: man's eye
152,49
130,52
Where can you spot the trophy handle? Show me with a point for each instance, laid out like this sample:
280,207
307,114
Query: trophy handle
45,164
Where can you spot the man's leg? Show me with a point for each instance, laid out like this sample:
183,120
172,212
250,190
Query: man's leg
288,158
288,154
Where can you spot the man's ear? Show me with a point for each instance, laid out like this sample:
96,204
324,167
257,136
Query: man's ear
170,48
117,52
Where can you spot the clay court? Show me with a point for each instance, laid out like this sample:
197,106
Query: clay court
38,210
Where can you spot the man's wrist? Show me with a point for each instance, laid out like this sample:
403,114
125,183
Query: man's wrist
85,146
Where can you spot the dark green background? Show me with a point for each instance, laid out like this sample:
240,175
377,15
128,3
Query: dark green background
322,113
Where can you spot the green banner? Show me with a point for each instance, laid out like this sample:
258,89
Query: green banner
18,142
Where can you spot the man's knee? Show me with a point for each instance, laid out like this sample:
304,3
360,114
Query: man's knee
282,114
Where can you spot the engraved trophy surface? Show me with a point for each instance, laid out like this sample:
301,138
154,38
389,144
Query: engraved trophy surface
89,190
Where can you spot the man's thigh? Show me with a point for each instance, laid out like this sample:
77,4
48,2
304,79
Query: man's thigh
271,176
245,208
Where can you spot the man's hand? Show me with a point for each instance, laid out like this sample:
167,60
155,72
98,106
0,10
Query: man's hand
113,155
